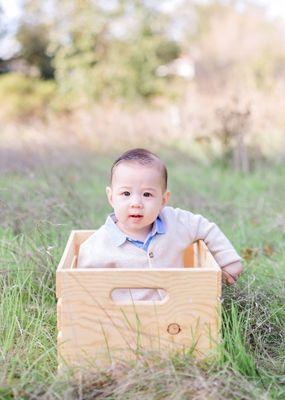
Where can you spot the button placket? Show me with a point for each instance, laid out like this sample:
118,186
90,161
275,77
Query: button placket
150,255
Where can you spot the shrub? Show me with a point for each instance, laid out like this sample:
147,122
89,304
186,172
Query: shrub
22,97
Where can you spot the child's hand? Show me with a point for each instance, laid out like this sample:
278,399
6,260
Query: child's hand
231,272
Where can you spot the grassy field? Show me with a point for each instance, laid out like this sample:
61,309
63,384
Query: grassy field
41,202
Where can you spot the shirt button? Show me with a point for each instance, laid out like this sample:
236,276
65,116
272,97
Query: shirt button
151,255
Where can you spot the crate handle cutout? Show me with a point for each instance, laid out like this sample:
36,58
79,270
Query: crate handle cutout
128,295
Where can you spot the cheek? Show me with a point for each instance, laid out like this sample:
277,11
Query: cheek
120,204
155,206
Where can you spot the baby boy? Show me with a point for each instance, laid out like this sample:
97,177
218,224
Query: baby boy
143,232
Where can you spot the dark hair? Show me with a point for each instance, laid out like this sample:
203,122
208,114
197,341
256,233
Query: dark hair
143,157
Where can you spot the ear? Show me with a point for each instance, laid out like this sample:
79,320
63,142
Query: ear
109,195
165,199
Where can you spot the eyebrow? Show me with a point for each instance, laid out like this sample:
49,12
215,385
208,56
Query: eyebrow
150,189
129,187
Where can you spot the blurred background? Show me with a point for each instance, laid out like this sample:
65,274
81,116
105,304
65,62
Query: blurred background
205,78
201,83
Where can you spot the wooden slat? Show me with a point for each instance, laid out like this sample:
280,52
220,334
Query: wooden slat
90,317
80,237
68,253
66,260
189,257
59,313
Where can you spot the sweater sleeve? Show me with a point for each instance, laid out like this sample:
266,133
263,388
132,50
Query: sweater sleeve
200,228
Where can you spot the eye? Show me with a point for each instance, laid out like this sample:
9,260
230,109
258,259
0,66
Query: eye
147,194
126,193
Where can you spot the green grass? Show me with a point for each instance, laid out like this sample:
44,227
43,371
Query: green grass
39,207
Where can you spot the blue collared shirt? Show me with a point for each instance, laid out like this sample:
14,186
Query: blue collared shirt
120,237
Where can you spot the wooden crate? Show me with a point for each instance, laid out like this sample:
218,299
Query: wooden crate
95,330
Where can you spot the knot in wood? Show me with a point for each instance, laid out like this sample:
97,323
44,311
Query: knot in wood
173,329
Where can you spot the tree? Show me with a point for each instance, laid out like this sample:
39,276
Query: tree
111,51
34,42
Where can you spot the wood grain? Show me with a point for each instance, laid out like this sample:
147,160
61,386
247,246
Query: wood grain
94,328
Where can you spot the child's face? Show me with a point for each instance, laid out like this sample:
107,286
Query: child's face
137,197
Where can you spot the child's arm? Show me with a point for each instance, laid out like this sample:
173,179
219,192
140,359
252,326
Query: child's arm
218,244
231,272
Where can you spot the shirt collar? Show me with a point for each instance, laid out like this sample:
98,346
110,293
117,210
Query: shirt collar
118,237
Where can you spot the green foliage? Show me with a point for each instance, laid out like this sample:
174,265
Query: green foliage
113,49
168,50
34,41
95,63
23,97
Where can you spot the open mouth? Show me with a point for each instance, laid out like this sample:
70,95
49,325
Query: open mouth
137,216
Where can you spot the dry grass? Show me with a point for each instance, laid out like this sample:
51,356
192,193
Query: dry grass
192,125
158,377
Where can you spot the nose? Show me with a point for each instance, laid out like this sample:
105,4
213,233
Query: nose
136,202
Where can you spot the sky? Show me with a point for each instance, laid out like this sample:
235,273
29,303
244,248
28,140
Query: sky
12,11
12,8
